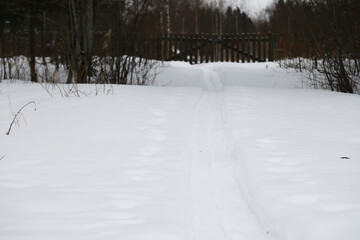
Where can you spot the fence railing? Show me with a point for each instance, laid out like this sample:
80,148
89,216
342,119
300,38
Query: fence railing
199,48
189,47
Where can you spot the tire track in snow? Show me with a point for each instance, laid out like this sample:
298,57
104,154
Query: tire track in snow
206,222
219,206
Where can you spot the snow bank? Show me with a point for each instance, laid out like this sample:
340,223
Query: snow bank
123,162
261,75
297,150
298,159
104,167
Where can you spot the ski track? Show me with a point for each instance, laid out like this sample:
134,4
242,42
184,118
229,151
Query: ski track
220,209
192,161
126,195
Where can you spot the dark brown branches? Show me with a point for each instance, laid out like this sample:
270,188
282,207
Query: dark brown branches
16,115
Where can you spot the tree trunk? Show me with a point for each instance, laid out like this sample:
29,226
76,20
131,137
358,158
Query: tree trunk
196,16
32,45
236,22
167,12
89,37
82,21
43,47
2,39
75,42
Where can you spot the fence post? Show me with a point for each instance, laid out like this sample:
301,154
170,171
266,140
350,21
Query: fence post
170,46
158,49
264,47
197,40
175,36
232,47
271,47
184,45
257,47
208,48
242,37
225,48
237,48
213,48
191,47
253,45
153,50
221,48
201,42
248,47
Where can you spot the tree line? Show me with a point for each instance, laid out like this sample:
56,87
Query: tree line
111,41
96,40
324,31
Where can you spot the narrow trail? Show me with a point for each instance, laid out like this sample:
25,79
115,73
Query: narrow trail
220,209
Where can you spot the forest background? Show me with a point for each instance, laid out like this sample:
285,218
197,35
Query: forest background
98,40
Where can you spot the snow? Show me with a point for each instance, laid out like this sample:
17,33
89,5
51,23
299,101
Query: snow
213,151
290,159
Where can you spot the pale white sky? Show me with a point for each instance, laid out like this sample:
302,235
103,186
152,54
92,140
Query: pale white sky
253,7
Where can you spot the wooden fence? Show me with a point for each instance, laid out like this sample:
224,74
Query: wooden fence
11,45
193,48
48,45
199,48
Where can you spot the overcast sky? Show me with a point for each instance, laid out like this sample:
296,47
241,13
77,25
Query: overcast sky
256,6
251,6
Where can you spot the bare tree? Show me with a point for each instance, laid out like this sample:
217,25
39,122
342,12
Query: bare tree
82,39
337,43
326,31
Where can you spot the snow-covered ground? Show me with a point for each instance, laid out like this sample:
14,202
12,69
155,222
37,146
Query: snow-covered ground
214,151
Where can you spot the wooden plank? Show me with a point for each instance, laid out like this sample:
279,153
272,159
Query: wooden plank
242,47
196,43
201,50
163,47
186,38
226,50
153,49
271,47
253,45
257,51
213,48
221,48
191,48
232,39
245,53
207,51
178,45
168,46
264,48
174,47
248,46
238,47
260,48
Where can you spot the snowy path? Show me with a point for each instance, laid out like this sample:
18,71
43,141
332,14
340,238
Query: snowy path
217,153
220,209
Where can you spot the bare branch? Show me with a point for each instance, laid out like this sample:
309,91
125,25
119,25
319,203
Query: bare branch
45,89
15,117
